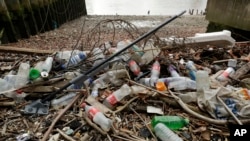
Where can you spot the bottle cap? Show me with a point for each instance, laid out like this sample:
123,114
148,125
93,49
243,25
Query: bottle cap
34,74
44,74
160,86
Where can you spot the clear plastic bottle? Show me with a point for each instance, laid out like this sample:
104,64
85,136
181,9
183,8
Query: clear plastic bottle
165,134
191,70
97,117
202,80
167,80
155,73
133,66
74,60
224,76
98,83
172,71
145,81
98,56
62,101
172,122
22,75
182,84
117,96
46,67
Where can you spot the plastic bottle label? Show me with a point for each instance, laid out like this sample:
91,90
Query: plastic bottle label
112,99
92,112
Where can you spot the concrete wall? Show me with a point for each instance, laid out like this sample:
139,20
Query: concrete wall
234,13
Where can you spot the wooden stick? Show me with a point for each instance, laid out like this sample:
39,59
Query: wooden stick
24,50
64,135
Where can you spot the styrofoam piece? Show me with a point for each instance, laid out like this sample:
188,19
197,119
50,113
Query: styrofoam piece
220,38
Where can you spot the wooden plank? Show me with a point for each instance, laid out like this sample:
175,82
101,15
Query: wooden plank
24,50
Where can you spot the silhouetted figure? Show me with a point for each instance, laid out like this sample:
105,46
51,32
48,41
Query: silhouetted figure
148,12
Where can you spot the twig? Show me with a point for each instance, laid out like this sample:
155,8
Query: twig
143,122
164,94
59,116
228,110
93,125
85,137
64,135
11,103
121,138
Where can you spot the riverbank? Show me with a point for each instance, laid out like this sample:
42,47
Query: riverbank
68,34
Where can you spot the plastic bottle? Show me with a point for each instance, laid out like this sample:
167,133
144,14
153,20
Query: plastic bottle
98,83
74,60
115,76
241,71
97,117
133,66
224,76
145,81
117,96
182,84
155,73
202,80
191,70
167,80
98,56
64,100
165,134
46,67
172,122
173,72
22,75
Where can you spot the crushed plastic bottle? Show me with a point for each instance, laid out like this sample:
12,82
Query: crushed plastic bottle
155,73
172,71
97,117
22,76
145,81
62,101
165,134
225,74
98,56
98,83
172,122
117,96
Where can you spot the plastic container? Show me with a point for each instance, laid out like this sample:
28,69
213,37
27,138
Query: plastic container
182,84
117,96
172,71
165,134
225,74
46,67
133,66
74,60
172,122
202,80
22,77
155,73
97,117
62,101
145,81
191,70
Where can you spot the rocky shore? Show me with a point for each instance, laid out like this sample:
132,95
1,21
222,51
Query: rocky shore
69,33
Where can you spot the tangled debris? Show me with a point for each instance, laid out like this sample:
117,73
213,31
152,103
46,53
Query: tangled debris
129,81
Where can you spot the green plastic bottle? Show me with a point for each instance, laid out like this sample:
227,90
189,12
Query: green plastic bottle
172,122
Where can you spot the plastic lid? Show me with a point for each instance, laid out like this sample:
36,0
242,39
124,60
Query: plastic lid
82,56
44,74
160,86
34,74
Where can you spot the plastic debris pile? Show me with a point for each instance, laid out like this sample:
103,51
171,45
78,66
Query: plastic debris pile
148,92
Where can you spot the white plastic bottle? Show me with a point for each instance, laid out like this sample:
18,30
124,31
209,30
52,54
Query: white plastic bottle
133,66
117,96
46,67
172,71
165,134
97,117
155,73
224,76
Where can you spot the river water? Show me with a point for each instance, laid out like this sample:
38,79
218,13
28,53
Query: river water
144,7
